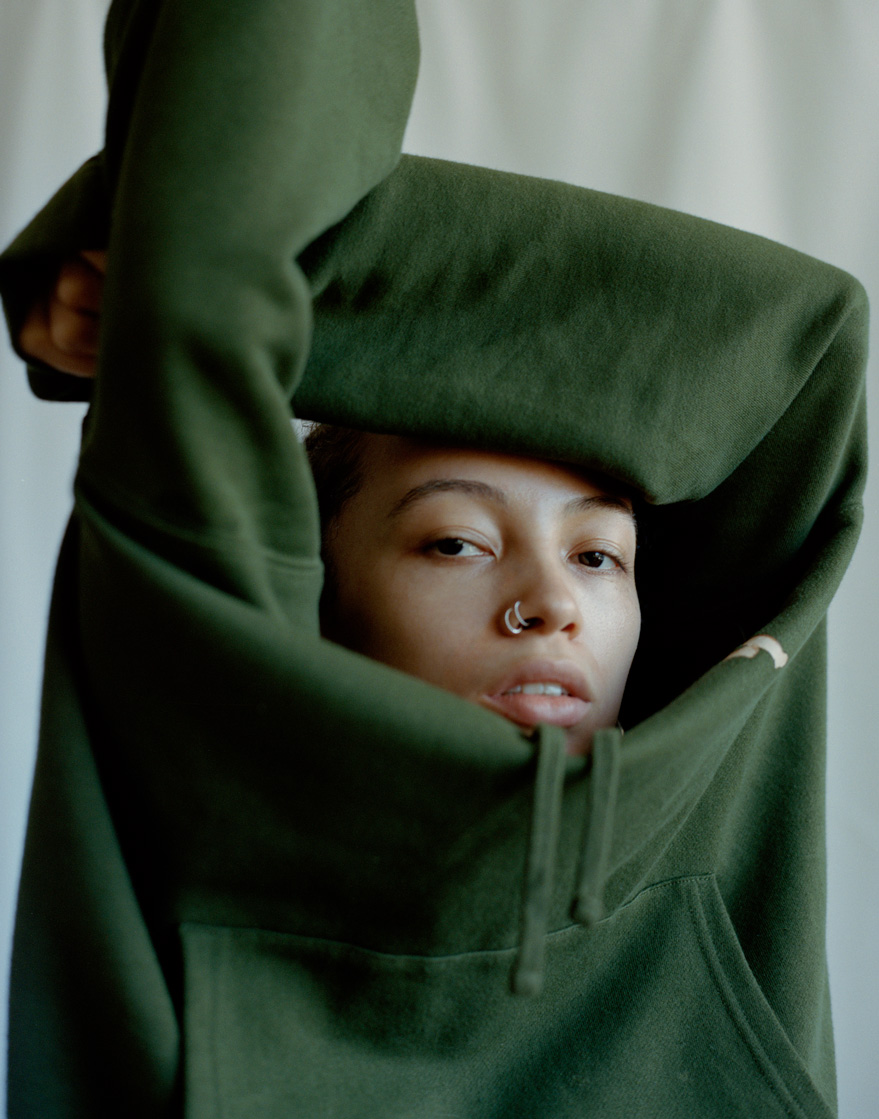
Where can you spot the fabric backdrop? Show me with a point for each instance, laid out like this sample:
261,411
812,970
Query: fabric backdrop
757,113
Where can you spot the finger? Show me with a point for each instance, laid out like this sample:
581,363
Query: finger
36,342
34,339
97,258
79,286
72,331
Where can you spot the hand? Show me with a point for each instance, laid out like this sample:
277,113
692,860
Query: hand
61,328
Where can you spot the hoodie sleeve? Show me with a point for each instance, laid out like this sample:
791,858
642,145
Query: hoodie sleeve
247,131
238,130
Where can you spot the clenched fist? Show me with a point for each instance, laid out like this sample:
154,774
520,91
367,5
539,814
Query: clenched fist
61,329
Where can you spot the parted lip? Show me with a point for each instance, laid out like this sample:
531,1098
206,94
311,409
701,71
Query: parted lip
564,673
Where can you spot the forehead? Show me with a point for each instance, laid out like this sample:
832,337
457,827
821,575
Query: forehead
392,465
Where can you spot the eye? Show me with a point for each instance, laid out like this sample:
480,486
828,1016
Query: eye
454,546
598,561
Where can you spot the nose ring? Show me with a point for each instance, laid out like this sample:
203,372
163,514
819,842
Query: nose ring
522,622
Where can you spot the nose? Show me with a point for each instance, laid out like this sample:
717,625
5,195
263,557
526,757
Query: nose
545,602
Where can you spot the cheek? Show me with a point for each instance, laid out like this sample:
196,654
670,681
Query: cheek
619,626
404,620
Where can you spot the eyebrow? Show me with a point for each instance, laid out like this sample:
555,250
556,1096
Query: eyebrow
498,497
600,501
448,485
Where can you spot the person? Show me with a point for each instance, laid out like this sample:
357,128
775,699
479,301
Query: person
268,874
400,588
394,574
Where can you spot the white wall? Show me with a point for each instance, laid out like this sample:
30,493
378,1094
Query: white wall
52,98
759,113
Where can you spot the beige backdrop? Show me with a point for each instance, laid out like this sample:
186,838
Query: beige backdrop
758,113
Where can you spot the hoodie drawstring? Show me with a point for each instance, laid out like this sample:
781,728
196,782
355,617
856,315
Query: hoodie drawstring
527,978
603,783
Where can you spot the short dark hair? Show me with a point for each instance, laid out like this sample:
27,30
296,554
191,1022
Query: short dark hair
335,455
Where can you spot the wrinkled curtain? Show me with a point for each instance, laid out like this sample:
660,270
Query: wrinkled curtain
757,113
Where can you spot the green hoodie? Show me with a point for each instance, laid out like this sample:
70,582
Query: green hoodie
267,877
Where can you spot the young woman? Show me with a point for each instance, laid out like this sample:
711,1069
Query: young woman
426,546
269,875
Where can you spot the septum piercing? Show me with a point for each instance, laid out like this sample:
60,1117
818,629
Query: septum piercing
514,609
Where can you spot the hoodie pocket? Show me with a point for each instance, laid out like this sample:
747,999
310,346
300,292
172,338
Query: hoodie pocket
744,1004
652,1014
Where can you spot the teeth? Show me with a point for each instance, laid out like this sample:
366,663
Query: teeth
538,689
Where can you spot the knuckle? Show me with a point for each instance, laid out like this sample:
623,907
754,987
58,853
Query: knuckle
66,329
33,339
79,286
72,287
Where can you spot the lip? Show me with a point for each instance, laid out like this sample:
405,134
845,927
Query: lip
528,710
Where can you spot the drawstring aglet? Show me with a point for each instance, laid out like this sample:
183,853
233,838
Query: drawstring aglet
589,911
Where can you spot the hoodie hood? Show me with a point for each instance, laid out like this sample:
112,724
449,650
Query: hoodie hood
688,360
684,358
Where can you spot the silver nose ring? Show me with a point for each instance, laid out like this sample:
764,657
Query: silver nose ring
514,609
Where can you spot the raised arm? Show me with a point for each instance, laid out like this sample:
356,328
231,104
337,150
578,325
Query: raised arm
245,131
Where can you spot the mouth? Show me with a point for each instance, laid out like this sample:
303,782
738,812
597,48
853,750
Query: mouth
541,692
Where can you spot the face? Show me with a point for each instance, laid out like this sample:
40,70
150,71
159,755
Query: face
436,547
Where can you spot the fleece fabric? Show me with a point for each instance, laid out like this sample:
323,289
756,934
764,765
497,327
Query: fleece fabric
267,877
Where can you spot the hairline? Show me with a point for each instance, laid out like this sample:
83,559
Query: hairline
613,496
